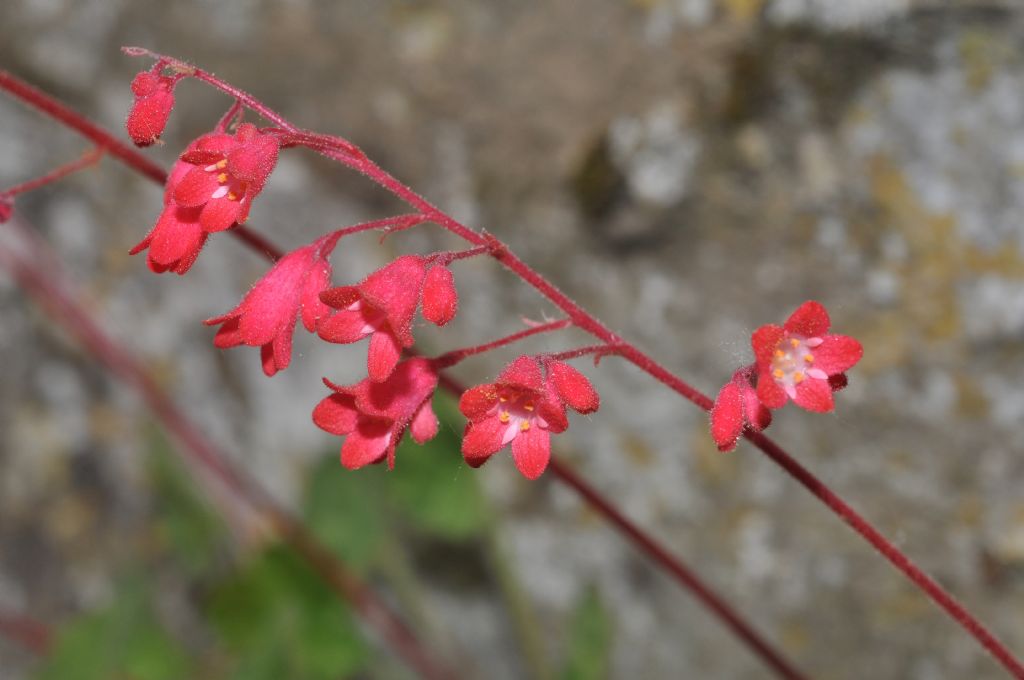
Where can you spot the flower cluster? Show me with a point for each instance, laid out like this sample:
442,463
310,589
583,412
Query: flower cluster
210,188
382,307
799,360
154,99
523,407
373,415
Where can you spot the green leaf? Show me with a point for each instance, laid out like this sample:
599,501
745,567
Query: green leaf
433,487
123,640
343,509
184,523
590,638
280,621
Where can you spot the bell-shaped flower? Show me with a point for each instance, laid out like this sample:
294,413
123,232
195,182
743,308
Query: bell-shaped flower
737,408
524,408
440,299
154,99
373,416
227,172
268,313
801,361
176,239
382,307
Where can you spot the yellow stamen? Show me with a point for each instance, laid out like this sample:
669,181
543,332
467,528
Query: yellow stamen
524,426
502,399
504,416
778,373
798,377
809,358
528,406
232,196
794,342
779,353
222,163
222,178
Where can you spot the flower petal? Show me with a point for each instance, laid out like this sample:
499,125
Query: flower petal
524,372
573,388
764,341
219,214
727,417
440,299
313,308
531,451
340,297
382,356
482,439
424,424
395,290
228,335
477,402
343,327
770,392
368,443
336,414
809,320
195,188
755,415
814,395
837,354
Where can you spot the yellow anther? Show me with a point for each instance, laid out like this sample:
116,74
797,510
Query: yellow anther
798,377
524,426
222,163
778,373
809,358
232,196
222,178
779,353
528,406
794,342
504,416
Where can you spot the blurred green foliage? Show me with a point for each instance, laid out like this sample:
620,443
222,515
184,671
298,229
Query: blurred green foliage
590,640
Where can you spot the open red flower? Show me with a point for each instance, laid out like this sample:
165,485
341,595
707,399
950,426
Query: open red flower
737,408
802,361
382,307
176,239
154,99
267,315
523,408
227,173
373,416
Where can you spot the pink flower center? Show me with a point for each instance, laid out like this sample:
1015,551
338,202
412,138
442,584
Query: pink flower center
228,186
793,362
517,410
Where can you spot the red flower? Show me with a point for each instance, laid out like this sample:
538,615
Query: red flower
737,407
382,306
440,299
801,361
373,416
267,315
176,239
524,408
154,99
227,173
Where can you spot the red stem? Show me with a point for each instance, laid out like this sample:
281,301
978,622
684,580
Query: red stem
84,161
352,157
456,355
676,568
119,361
113,146
29,633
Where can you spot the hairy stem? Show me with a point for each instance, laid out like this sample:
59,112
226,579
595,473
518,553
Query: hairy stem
453,357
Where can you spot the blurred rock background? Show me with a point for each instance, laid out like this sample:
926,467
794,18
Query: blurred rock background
688,170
